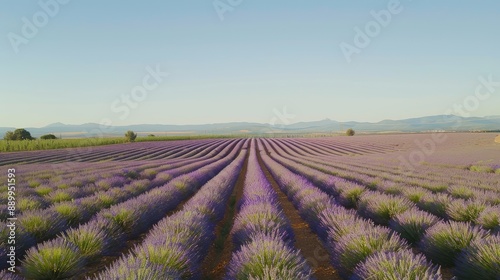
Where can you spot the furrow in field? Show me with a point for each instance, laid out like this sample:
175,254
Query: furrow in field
306,241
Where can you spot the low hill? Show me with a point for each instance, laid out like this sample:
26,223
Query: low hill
449,123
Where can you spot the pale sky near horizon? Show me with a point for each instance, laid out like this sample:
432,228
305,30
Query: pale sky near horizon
86,57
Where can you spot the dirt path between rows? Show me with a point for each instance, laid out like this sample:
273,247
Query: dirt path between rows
219,256
306,241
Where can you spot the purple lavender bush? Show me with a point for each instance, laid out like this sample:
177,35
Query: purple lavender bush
435,204
381,207
397,265
465,210
354,248
267,255
136,269
91,240
7,275
444,241
412,224
57,259
463,192
480,260
42,225
350,194
414,194
490,218
259,218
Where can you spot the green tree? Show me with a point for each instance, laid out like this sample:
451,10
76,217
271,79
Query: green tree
350,132
9,135
48,137
18,134
130,135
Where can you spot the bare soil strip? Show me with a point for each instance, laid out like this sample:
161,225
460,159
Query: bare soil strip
219,256
306,241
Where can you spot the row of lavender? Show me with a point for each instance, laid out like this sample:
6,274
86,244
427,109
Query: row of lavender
176,246
38,174
471,248
36,227
456,205
360,247
483,210
341,148
389,167
136,151
261,233
349,247
50,187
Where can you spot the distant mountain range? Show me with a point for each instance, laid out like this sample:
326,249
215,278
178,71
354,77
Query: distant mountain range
422,124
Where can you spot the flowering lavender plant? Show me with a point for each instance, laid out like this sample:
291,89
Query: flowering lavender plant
401,265
412,224
444,241
480,260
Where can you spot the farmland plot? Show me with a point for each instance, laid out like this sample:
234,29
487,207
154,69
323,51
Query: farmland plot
367,207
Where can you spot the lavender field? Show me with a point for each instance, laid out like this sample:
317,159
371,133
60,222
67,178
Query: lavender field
409,206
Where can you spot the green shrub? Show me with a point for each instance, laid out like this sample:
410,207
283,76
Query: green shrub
481,260
461,192
41,224
43,190
130,136
90,240
48,137
352,249
490,218
59,196
445,240
397,266
481,169
53,260
465,210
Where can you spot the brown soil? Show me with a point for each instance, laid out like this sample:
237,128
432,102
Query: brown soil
306,241
447,273
497,139
219,256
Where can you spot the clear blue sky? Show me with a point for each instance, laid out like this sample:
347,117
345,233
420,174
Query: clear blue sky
264,56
